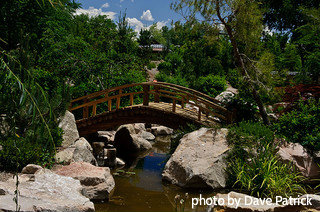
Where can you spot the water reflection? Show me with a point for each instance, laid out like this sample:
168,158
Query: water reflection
145,191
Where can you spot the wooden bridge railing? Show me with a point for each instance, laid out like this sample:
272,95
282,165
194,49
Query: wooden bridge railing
175,93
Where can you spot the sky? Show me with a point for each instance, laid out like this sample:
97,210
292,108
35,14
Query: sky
140,13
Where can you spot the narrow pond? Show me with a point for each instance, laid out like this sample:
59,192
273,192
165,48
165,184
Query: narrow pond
139,186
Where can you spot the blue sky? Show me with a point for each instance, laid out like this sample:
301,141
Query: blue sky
140,13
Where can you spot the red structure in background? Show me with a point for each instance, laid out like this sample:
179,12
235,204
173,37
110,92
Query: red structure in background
294,93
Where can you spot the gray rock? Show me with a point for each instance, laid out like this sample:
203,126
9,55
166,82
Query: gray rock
315,200
129,144
120,162
225,96
31,169
161,130
199,161
83,154
1,148
48,192
297,155
69,127
139,127
98,182
147,136
109,135
65,156
83,143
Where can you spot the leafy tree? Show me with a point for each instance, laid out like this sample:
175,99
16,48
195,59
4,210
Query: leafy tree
241,20
286,14
307,38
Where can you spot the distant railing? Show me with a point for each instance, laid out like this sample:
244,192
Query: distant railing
152,92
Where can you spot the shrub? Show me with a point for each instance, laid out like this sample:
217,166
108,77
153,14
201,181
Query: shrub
302,125
151,65
254,166
245,111
177,79
211,84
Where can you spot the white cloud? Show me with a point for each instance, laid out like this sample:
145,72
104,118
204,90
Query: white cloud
147,16
161,24
138,25
95,12
121,1
106,5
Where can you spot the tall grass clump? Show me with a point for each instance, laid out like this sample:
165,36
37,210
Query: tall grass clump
254,166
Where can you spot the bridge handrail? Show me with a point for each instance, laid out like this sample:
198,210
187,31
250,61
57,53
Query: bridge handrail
186,95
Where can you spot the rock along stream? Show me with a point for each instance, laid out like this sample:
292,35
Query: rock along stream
139,186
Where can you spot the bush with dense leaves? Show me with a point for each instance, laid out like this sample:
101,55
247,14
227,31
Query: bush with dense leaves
302,125
211,84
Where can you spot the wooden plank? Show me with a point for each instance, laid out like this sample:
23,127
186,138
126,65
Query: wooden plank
85,110
199,115
174,106
118,99
146,91
109,105
94,110
131,99
156,95
98,93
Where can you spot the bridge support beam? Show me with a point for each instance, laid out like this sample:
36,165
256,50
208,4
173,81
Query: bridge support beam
146,91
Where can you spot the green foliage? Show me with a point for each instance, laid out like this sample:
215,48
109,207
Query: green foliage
302,125
28,119
307,38
211,84
151,66
174,79
254,166
286,14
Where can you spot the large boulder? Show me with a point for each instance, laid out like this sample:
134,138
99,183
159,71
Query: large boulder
83,154
83,143
45,191
98,182
80,151
69,127
31,169
199,161
64,155
297,155
228,94
147,135
161,130
109,135
128,143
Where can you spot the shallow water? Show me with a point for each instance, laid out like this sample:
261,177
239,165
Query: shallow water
144,190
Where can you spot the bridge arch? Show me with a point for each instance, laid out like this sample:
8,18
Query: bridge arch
150,102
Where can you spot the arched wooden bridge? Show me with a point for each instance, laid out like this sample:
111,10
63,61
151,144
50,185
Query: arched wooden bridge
150,102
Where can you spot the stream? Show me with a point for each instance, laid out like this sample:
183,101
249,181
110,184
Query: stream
139,186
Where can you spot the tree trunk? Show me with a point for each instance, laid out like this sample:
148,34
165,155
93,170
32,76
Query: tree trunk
242,67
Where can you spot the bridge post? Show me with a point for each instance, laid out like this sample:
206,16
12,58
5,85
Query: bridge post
85,110
146,90
156,95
